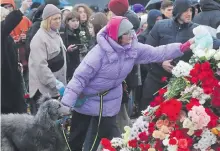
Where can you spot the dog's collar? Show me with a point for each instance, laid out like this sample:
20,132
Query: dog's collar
63,120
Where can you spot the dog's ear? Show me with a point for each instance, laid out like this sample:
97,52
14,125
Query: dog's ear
44,98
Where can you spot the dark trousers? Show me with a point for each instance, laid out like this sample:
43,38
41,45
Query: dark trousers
79,127
150,86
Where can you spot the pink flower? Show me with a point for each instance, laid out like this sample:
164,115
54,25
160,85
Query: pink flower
199,117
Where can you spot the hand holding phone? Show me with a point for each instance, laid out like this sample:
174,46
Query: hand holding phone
71,48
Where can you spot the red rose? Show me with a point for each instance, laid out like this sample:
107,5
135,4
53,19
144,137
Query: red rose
158,145
197,66
144,147
143,136
194,72
158,99
182,143
194,80
170,108
208,90
193,102
163,79
151,127
162,91
213,118
26,96
205,66
105,143
172,141
133,143
216,97
198,133
110,148
153,104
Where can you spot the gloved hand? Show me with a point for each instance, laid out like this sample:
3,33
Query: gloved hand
186,46
60,87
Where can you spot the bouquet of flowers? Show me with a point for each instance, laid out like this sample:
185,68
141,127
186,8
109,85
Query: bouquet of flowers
184,114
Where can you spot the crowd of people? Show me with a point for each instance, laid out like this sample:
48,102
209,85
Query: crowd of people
87,58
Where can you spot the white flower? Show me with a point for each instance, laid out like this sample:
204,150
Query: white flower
172,148
187,123
208,54
218,65
169,147
197,93
82,33
217,55
199,117
207,139
117,142
182,69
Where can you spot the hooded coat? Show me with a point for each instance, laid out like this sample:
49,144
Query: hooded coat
210,14
151,20
106,66
168,31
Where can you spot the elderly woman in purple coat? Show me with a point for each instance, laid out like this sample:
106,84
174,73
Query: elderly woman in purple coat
103,69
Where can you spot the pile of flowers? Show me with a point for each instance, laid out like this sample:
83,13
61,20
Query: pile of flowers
184,116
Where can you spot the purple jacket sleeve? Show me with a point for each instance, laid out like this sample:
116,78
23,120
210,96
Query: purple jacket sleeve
83,74
148,54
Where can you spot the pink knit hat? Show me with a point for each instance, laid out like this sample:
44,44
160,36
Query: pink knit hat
118,26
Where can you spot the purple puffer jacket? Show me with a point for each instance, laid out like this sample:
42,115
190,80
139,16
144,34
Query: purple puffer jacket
105,67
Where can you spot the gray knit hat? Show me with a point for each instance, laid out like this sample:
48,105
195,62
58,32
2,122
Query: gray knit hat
125,26
50,10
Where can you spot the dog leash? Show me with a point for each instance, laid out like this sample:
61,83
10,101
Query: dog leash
101,95
61,122
68,146
100,117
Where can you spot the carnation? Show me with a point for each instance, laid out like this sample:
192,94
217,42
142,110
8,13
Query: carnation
217,55
199,117
205,54
182,69
117,142
207,139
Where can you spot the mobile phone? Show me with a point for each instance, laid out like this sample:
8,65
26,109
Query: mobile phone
78,44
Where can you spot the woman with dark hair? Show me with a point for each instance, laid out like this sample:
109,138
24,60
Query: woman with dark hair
84,12
95,90
72,42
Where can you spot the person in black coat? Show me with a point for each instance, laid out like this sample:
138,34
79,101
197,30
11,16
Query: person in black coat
154,15
12,94
210,14
72,42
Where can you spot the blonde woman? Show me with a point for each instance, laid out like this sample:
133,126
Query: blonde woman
47,60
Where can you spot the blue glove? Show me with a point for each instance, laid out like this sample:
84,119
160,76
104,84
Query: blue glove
60,87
